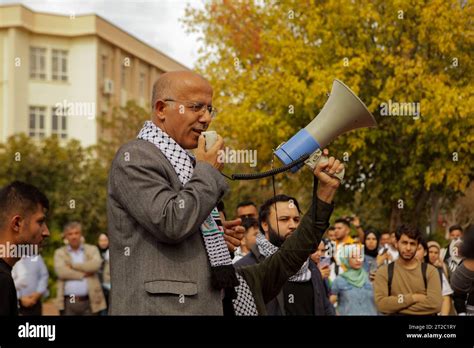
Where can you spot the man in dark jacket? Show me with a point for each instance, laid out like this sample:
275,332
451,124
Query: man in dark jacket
462,279
260,283
303,293
22,230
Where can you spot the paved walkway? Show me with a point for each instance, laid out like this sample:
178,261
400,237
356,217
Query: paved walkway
49,308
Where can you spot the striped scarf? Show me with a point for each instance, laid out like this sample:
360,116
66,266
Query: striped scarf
268,249
223,275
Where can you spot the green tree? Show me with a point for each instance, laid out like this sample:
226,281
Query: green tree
120,127
73,179
273,62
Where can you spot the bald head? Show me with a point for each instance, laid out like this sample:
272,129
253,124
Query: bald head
175,84
182,104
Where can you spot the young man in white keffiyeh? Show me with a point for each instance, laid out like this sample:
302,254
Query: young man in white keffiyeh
162,212
304,292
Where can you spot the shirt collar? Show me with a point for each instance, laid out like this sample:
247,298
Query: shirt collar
81,248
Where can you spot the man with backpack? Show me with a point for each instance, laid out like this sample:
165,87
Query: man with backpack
406,286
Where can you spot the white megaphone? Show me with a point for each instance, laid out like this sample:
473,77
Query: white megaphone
343,111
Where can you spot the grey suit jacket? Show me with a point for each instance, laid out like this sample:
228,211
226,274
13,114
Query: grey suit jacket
158,262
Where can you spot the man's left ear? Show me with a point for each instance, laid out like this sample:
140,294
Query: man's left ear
159,110
16,222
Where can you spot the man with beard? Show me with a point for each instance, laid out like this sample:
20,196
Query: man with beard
23,228
406,286
304,292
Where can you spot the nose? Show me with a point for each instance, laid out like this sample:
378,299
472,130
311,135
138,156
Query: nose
292,224
205,117
46,231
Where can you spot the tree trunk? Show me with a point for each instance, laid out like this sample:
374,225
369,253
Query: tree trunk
434,212
395,217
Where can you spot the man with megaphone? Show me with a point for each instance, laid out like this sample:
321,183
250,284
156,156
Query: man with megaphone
168,247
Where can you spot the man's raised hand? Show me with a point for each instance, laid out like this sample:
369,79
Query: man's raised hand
324,171
211,156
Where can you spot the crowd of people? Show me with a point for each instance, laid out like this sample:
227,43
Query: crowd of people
366,273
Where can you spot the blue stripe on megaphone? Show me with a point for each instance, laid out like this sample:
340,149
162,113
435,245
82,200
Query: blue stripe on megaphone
300,144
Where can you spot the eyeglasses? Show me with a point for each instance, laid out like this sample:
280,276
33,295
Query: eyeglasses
198,108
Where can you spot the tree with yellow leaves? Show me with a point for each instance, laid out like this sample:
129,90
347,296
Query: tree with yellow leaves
272,63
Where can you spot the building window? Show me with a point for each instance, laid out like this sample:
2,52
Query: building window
38,63
59,122
141,84
37,121
59,65
104,67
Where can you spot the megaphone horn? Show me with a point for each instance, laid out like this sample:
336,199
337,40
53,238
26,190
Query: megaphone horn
343,112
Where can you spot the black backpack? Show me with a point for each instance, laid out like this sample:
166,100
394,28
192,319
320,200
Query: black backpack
391,266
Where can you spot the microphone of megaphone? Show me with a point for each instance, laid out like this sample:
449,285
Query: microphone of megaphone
343,112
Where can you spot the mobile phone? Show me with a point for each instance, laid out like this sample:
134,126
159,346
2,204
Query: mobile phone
373,266
383,250
324,262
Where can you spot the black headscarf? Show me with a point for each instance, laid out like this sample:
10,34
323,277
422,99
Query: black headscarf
373,252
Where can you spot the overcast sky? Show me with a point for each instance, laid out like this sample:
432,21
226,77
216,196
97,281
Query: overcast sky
155,22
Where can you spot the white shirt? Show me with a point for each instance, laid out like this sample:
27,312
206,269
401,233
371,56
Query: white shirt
237,255
76,287
30,275
391,251
446,289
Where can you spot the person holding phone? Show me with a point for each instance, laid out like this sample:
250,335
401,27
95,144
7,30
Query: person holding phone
371,247
322,259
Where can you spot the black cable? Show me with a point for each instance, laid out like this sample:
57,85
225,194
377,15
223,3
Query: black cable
274,195
272,173
254,176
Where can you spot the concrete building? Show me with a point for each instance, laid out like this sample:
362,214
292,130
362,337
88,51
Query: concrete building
58,73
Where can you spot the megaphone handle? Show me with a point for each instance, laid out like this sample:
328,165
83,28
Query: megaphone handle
317,156
339,175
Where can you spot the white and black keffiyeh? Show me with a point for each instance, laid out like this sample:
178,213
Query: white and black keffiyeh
223,275
244,304
267,249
